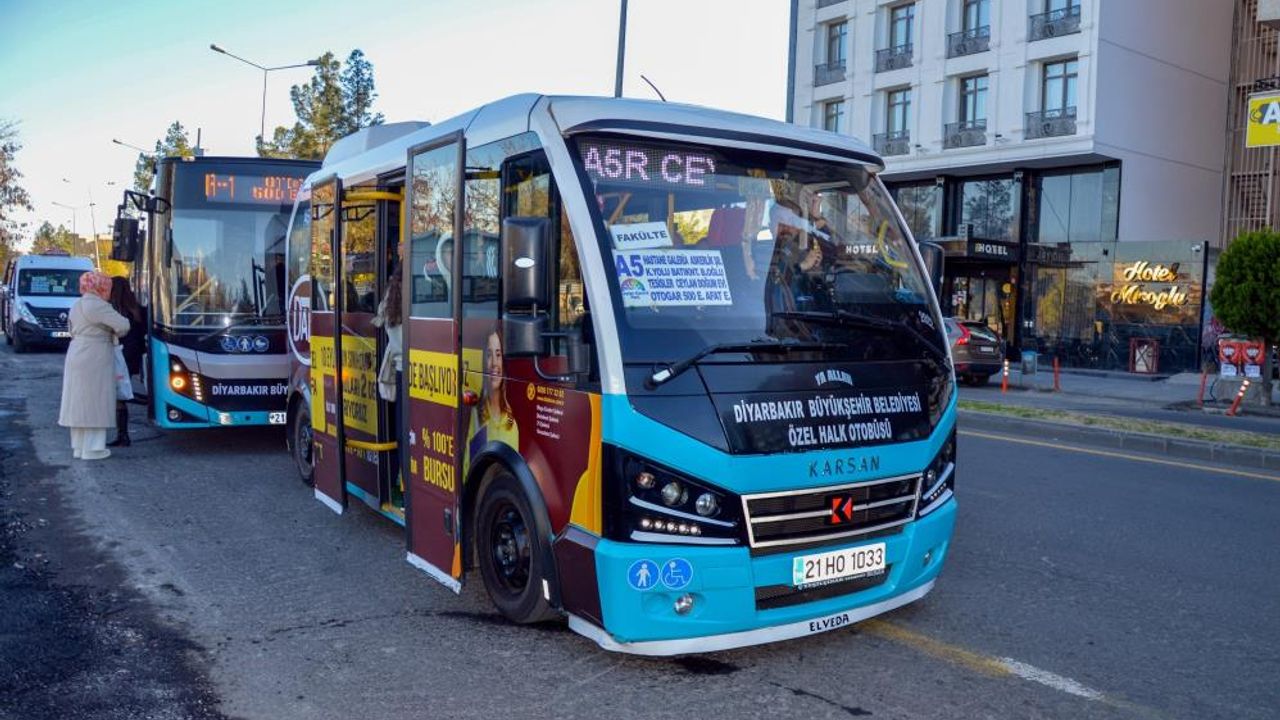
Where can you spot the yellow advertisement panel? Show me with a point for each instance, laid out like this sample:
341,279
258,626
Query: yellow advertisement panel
360,383
433,376
322,366
1264,120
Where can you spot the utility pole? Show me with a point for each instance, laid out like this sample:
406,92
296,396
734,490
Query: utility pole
622,49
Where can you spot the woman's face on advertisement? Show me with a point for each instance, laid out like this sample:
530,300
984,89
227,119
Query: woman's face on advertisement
493,362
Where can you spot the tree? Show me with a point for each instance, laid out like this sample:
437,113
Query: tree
337,102
13,197
1246,294
59,239
175,144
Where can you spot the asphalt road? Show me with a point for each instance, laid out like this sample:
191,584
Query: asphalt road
1079,585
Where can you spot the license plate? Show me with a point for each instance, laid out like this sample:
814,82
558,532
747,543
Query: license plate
275,418
987,348
61,334
828,567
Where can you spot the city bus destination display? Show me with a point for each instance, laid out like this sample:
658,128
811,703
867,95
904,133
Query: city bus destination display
612,162
253,189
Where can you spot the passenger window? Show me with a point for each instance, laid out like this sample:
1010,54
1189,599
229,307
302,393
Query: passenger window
359,258
322,219
433,188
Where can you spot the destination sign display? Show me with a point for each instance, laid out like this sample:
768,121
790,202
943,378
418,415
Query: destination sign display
624,162
251,189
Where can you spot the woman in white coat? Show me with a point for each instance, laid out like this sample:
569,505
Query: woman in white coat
89,376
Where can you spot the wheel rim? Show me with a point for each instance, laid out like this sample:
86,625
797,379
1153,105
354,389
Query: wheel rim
510,550
302,442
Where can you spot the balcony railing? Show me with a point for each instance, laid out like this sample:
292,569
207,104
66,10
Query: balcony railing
894,58
966,133
828,73
1051,123
1063,21
897,142
968,42
825,3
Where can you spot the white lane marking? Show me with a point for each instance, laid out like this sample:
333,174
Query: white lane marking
1053,680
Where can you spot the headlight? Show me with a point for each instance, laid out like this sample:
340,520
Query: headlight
938,481
653,503
185,382
24,311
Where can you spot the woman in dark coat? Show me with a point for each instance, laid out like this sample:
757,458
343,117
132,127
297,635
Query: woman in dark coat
133,344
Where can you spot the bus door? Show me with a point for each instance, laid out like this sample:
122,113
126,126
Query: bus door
357,355
432,383
326,421
390,222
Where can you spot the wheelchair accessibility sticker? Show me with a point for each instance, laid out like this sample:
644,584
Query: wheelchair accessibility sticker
677,573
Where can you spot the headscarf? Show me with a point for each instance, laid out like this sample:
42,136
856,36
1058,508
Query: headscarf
97,283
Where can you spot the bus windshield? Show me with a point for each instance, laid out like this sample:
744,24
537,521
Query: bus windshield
225,251
716,245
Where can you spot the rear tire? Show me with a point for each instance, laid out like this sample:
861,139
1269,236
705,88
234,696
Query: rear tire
300,444
510,551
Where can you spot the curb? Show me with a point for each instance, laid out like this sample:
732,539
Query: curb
1141,442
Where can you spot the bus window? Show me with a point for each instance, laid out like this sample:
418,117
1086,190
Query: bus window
431,218
360,259
322,219
300,243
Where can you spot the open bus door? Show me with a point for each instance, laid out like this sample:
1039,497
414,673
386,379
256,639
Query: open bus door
432,384
326,418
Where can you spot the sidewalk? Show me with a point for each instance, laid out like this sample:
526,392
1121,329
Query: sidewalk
1167,399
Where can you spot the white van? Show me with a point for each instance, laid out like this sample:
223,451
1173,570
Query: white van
39,291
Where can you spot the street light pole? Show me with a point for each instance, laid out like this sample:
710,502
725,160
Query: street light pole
131,145
93,222
262,126
622,49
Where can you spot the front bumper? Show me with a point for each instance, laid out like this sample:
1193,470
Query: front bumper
724,583
37,335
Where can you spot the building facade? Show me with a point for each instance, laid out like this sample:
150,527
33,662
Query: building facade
1067,154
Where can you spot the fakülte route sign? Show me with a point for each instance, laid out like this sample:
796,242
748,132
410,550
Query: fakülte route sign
1263,129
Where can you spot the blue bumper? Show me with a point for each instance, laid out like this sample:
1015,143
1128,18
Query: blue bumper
723,585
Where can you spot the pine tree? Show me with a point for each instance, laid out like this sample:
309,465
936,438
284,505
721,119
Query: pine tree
336,102
175,144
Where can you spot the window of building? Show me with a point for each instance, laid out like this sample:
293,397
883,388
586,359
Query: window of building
1070,6
1077,206
1058,91
833,116
990,206
976,14
837,34
921,207
900,20
898,116
973,100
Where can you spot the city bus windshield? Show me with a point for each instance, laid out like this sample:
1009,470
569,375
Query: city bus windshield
711,246
223,262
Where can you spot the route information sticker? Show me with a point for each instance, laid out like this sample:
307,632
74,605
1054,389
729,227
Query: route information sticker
661,278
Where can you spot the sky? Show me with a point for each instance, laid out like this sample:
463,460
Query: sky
77,73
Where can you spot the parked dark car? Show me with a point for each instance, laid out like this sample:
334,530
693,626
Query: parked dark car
976,350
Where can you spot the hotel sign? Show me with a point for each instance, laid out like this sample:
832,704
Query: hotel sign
1133,288
1263,129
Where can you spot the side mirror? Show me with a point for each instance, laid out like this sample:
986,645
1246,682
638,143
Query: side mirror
524,335
124,239
932,255
526,263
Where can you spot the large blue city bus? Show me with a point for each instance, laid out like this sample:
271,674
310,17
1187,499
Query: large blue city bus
210,272
676,375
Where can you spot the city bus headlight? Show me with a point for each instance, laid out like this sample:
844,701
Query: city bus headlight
185,382
647,502
938,481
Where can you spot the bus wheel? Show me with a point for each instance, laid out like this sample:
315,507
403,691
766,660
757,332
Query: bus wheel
300,443
509,551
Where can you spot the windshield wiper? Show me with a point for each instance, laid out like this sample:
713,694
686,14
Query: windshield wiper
251,320
840,316
769,344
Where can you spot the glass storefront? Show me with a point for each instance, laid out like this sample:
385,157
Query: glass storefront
1128,306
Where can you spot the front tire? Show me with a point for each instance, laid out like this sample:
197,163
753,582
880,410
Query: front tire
300,444
510,551
19,345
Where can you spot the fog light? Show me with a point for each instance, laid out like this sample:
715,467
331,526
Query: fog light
673,494
683,604
646,480
174,415
707,505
